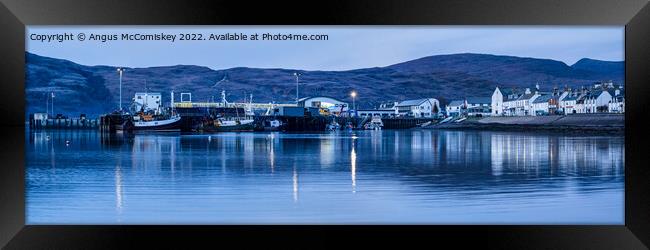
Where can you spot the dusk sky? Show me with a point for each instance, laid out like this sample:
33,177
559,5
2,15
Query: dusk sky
348,47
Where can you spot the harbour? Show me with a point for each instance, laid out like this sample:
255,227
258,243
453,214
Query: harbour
187,116
527,109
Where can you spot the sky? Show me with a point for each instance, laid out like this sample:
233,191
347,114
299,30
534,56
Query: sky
346,47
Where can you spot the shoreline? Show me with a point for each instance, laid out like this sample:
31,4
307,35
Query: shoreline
593,123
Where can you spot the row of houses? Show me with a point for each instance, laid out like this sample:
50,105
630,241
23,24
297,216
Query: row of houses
470,106
599,98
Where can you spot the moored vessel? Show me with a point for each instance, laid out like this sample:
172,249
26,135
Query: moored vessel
223,124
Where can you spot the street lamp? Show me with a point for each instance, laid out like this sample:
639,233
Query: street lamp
296,74
53,104
354,96
120,70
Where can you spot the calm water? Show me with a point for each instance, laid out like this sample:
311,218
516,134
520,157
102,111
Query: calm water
362,177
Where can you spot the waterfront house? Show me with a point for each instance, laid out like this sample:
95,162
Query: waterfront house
435,108
498,97
511,102
523,104
568,102
454,108
544,104
617,104
388,109
418,108
597,101
478,106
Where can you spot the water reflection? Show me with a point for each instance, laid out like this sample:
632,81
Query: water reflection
295,184
353,166
118,188
414,172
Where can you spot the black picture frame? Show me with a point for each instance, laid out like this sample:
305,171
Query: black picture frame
15,14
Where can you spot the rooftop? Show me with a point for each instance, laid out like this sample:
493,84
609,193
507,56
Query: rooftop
544,98
480,100
415,102
456,103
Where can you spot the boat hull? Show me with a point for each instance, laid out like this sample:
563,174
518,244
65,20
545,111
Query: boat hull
234,128
229,126
173,124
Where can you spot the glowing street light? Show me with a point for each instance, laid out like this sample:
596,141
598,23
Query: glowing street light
297,75
53,104
120,70
354,96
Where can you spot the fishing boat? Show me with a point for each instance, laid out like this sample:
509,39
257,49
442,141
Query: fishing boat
144,122
149,115
374,124
223,124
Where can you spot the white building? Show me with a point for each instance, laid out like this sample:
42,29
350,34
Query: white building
510,102
144,101
597,101
334,106
568,103
436,106
519,106
418,108
478,106
455,107
498,97
601,97
545,104
617,104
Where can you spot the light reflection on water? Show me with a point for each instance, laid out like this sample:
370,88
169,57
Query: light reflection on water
408,176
